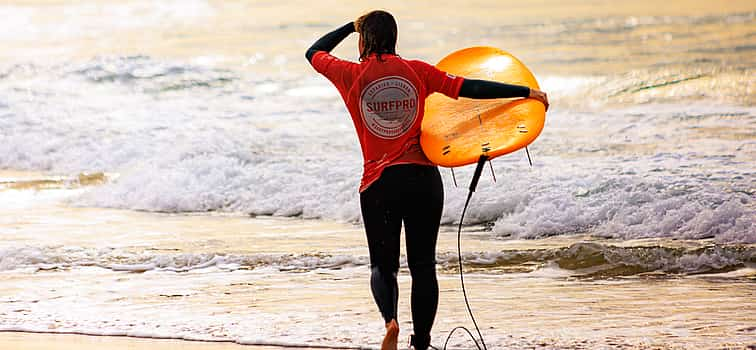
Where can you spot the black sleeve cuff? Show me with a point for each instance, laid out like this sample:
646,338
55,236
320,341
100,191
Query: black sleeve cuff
329,41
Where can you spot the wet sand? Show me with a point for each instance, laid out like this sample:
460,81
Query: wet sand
40,341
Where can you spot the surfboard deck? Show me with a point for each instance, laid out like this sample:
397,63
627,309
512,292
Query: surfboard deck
457,132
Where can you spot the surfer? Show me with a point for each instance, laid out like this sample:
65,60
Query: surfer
385,95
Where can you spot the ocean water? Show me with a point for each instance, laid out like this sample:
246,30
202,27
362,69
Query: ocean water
182,166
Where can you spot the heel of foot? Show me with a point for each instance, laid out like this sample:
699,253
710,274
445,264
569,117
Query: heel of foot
392,336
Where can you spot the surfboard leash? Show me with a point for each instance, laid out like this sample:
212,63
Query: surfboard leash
473,185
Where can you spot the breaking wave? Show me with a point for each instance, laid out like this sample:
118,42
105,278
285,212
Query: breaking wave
181,137
583,259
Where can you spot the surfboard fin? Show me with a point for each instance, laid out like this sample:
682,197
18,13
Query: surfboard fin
530,161
492,171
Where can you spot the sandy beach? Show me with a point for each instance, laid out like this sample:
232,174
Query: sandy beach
38,341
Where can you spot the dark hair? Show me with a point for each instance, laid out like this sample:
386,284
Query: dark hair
378,32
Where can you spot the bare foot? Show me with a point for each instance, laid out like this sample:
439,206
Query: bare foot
392,335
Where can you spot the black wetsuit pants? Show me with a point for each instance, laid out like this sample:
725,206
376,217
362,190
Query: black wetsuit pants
412,194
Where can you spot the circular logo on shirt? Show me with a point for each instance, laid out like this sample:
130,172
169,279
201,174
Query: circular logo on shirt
389,106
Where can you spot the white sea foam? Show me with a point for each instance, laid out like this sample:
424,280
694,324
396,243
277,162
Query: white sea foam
624,207
191,138
49,258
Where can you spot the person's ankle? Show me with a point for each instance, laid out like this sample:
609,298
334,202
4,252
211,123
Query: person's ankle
419,343
392,336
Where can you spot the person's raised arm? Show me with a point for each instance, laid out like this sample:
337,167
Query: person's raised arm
485,89
329,41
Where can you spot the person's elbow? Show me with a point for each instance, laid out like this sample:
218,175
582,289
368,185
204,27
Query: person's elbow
310,53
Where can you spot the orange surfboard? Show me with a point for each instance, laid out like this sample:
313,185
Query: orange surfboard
458,132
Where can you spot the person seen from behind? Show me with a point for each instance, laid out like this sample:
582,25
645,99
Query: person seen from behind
385,95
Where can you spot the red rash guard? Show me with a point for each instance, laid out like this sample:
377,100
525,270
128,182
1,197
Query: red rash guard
386,99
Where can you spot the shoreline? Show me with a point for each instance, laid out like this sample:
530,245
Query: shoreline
31,340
